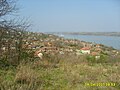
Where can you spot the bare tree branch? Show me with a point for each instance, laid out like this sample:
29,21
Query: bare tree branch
7,7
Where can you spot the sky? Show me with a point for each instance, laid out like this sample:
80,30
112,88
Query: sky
72,15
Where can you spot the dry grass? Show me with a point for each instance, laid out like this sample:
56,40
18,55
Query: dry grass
26,74
63,73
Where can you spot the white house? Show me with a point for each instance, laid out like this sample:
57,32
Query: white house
40,55
85,50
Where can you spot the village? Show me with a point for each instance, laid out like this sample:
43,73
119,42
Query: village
42,43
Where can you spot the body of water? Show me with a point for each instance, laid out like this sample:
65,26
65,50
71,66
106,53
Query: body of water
110,41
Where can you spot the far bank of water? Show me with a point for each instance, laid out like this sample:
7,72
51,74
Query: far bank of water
110,41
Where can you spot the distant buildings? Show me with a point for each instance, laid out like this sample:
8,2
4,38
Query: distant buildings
85,50
95,54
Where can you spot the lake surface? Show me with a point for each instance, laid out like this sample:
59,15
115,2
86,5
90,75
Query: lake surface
111,41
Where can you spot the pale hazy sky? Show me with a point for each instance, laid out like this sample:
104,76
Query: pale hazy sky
72,15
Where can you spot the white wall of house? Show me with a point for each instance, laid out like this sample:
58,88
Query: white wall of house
97,57
85,51
40,55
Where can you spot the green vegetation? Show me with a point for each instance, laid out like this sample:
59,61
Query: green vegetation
64,72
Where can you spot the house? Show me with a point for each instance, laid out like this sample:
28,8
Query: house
98,49
85,50
98,45
39,54
3,48
61,52
96,54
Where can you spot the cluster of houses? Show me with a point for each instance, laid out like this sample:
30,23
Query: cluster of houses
47,43
49,48
90,50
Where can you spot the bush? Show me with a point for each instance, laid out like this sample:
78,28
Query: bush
91,59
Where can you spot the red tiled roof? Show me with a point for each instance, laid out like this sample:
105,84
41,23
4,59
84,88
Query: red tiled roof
85,48
94,53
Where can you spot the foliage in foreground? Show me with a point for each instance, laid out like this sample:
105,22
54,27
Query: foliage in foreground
60,74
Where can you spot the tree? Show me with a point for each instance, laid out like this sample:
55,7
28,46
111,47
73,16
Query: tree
11,31
7,7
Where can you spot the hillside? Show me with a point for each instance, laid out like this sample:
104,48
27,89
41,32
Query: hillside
65,65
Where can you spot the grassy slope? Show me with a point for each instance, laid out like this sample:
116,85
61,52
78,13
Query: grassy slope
69,73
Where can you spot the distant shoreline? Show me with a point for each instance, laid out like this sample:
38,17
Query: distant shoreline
116,34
